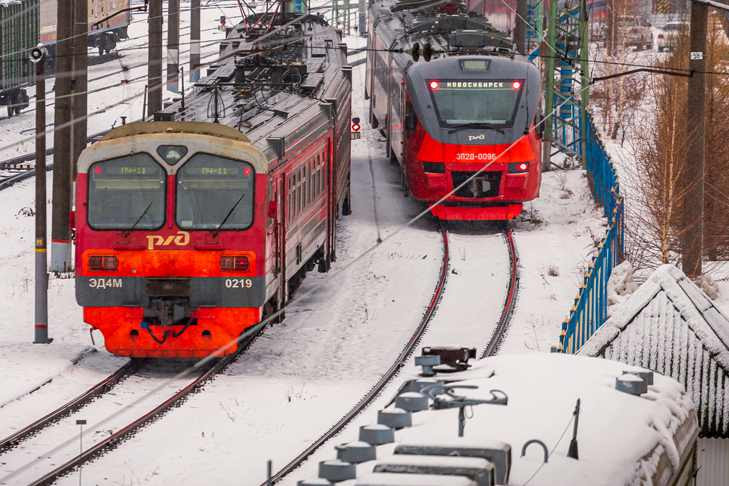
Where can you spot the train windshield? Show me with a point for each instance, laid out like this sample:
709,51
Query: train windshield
127,193
214,193
464,102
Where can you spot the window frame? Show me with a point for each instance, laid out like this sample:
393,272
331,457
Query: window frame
508,124
253,194
165,176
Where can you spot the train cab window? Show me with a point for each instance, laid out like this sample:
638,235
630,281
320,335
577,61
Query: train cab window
215,193
463,101
127,193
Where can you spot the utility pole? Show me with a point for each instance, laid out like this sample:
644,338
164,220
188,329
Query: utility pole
693,214
38,56
173,45
62,142
520,29
584,77
154,57
362,19
347,22
550,54
194,40
80,81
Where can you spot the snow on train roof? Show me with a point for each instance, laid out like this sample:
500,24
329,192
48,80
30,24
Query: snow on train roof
622,438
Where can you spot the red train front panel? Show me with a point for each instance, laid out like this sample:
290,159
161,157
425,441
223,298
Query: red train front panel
466,113
171,240
448,118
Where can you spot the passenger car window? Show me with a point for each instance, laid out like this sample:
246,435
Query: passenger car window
127,192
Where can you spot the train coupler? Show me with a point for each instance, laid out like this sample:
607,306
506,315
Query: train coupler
444,359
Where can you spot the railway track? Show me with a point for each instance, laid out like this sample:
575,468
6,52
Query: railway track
392,371
512,290
98,392
490,349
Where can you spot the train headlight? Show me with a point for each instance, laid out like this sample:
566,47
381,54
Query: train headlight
99,262
518,167
434,167
234,263
172,154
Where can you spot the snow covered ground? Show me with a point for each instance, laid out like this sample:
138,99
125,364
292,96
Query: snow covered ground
620,436
340,333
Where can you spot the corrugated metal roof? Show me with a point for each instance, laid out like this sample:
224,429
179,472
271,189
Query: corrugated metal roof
671,326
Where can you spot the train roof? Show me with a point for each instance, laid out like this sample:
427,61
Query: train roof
274,89
622,438
197,128
448,27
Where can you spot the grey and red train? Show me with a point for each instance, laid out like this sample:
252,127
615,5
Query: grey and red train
193,227
459,108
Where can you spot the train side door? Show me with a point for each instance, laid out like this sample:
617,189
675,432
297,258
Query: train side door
282,197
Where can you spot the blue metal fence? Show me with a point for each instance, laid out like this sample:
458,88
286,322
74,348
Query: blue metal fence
589,310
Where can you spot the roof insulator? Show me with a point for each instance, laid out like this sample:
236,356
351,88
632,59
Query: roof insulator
646,375
376,434
356,452
412,402
631,384
395,418
336,471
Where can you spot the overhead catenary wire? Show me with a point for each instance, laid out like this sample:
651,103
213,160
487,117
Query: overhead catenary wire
145,19
332,275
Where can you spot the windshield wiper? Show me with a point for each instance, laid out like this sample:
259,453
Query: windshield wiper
134,226
230,212
488,126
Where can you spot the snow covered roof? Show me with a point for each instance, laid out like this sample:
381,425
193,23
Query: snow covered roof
669,325
622,438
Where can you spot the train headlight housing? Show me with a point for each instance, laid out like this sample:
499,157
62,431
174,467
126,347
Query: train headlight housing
172,154
238,263
518,167
434,167
102,262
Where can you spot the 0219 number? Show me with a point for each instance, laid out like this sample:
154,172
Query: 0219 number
238,283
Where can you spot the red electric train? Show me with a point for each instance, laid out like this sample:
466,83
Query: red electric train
451,96
191,228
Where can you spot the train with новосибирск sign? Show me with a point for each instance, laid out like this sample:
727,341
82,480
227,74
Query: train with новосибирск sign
461,111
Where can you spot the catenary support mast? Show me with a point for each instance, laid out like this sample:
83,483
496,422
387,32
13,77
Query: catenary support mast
693,224
80,81
194,40
173,45
154,58
41,230
62,141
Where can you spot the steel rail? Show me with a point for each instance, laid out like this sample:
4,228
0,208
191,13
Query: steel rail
378,387
74,405
137,424
509,302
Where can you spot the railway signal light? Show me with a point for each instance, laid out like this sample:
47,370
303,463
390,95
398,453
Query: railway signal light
37,53
356,134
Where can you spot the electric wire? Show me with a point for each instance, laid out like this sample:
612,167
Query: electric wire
262,325
551,451
91,32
